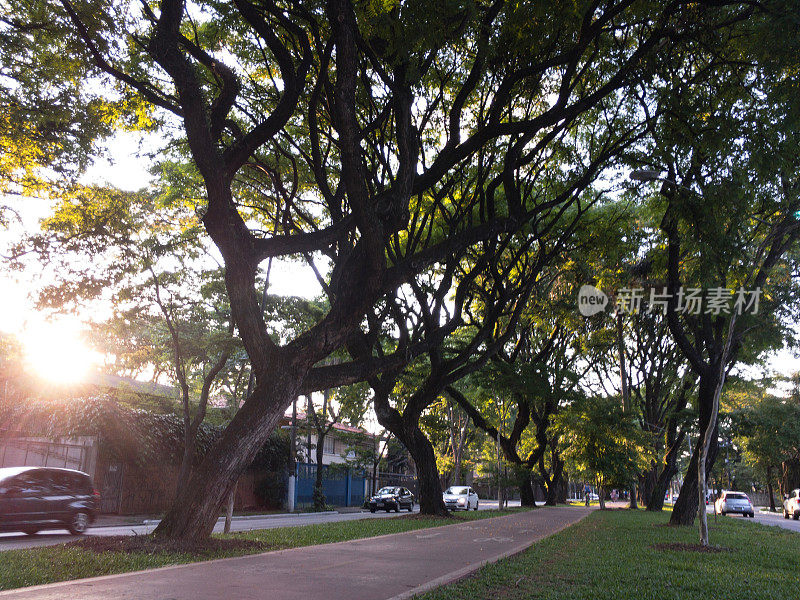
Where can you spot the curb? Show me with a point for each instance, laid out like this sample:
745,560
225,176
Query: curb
253,517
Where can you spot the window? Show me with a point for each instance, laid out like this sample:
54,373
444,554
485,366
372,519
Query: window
63,483
329,445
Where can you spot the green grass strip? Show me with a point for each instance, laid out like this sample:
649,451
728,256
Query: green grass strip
611,554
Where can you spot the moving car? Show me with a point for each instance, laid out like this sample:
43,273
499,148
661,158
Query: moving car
392,498
791,505
36,498
460,497
734,502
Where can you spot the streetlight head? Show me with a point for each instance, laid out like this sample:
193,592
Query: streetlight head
645,175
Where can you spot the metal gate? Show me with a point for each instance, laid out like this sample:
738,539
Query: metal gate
111,494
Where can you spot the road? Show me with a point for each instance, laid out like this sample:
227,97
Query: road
392,567
16,541
774,519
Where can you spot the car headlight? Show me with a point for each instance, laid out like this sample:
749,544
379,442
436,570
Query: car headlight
462,500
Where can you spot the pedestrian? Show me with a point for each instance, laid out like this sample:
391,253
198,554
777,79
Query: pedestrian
586,491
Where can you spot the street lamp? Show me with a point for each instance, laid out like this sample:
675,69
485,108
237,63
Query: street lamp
645,174
655,175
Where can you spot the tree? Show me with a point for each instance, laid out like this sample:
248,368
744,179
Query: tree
769,433
379,104
602,442
730,215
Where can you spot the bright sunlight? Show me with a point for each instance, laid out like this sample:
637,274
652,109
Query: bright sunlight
56,352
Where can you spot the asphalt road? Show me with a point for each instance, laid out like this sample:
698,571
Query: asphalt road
392,567
774,519
15,541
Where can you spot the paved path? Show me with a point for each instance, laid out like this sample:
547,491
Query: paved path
391,566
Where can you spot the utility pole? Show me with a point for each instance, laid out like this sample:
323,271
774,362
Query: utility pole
626,393
309,408
293,456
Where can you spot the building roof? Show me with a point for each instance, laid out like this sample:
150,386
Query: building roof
301,416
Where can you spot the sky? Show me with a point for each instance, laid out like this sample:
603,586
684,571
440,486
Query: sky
48,338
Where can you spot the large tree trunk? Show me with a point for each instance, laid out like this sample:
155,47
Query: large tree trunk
656,500
647,483
526,494
555,484
790,478
685,509
770,491
319,497
195,511
429,487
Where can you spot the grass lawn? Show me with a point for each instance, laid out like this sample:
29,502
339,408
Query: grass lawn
611,554
20,568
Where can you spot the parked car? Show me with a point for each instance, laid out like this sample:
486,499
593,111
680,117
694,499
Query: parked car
734,502
392,498
791,505
36,498
460,497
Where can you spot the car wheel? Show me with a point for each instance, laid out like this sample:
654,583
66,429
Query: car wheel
476,505
410,507
79,523
785,514
372,510
722,513
797,515
30,530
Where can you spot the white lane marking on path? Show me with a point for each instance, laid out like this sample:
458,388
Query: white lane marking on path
493,539
430,535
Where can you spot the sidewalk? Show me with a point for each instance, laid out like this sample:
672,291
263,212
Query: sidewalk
386,567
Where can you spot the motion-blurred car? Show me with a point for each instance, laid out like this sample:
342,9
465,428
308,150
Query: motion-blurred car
791,505
735,503
459,497
392,498
36,498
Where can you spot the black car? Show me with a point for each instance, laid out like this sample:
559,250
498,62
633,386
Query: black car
36,498
392,498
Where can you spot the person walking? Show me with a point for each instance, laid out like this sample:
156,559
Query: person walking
586,491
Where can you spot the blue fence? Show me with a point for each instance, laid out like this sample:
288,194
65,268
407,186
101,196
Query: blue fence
341,486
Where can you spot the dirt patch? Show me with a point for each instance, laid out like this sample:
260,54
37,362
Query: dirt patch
682,547
149,545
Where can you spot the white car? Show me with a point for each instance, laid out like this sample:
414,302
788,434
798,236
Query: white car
734,503
460,497
791,505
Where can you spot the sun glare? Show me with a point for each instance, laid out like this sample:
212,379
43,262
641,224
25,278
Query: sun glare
56,352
